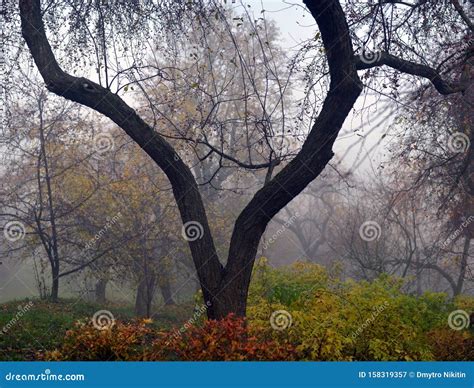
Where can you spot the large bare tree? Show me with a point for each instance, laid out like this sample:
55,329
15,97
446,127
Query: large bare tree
226,287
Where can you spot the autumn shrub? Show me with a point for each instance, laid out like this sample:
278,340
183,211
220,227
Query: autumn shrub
451,345
123,341
224,340
228,339
334,320
287,284
298,312
464,302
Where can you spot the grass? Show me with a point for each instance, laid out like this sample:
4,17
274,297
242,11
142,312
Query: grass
41,327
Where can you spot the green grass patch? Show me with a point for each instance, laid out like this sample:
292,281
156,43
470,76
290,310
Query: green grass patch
32,326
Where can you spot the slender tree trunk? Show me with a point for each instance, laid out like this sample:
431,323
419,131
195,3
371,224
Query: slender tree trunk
52,246
54,283
100,291
419,290
150,292
166,293
463,266
140,299
145,293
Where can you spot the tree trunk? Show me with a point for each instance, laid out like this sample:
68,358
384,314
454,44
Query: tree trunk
145,293
345,87
54,284
231,298
463,266
166,293
140,300
419,290
164,273
100,291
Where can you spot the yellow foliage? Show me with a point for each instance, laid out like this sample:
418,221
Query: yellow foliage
335,320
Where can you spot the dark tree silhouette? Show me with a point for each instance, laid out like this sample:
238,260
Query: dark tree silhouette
226,287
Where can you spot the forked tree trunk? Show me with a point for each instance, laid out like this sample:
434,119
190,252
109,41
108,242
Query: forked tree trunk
226,288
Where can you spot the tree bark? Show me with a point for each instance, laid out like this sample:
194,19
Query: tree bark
316,152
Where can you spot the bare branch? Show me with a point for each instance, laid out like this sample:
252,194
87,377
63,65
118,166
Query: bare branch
408,67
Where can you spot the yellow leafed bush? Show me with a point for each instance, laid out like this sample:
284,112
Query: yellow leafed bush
334,320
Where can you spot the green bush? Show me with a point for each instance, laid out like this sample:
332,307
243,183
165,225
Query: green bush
334,320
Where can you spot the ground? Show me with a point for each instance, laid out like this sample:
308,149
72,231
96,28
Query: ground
42,327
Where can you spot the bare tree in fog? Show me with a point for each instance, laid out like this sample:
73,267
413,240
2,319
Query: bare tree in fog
226,287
